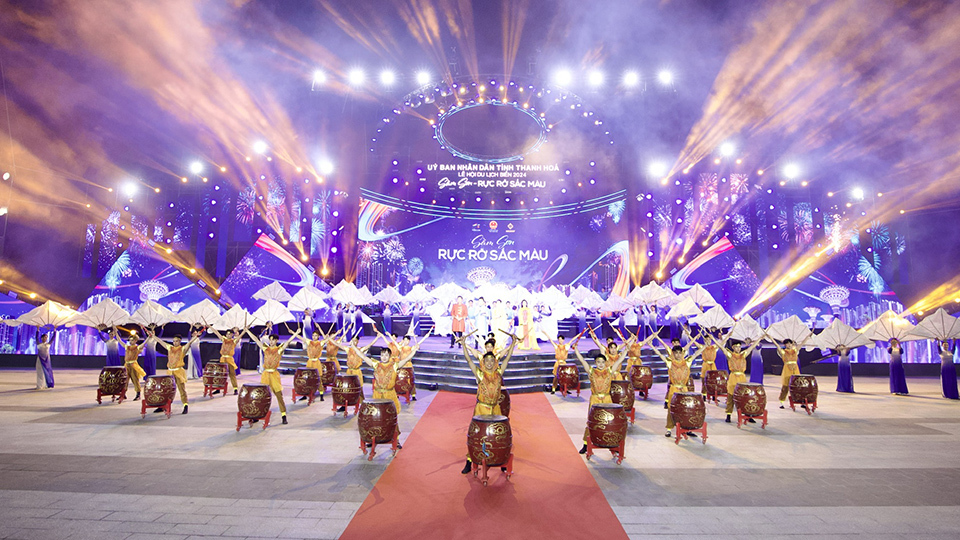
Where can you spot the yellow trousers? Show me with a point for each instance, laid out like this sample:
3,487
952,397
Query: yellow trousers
594,399
271,378
180,377
734,378
670,391
483,408
135,373
232,370
313,363
388,394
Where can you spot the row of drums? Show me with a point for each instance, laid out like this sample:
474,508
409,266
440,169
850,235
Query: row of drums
639,377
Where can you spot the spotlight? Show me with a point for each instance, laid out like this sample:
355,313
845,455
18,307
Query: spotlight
196,167
223,169
6,176
665,77
631,79
657,169
325,167
857,193
4,210
387,77
791,170
727,149
562,77
356,77
319,77
423,77
260,147
595,78
130,189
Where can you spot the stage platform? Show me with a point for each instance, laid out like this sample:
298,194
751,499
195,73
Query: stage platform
866,465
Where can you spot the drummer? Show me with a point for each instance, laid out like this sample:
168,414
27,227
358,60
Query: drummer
708,354
601,376
560,354
790,354
314,349
737,362
354,361
385,375
489,381
175,353
679,373
667,352
611,351
228,348
272,353
634,349
131,353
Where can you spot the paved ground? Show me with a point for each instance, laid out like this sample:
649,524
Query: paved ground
868,464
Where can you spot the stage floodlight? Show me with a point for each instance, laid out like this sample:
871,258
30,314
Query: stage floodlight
657,169
130,189
356,77
562,77
196,167
6,176
387,77
631,79
857,193
319,77
727,149
325,167
665,77
791,170
595,78
423,77
260,147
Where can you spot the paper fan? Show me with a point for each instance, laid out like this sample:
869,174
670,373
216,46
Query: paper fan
746,329
307,298
203,313
105,313
235,317
388,296
152,313
592,301
273,291
889,325
840,334
700,296
938,325
272,312
364,297
579,294
714,318
615,303
651,293
684,308
49,313
668,299
417,294
791,328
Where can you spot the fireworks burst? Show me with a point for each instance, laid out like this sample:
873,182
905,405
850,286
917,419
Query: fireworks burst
119,269
615,210
392,250
597,223
739,185
246,206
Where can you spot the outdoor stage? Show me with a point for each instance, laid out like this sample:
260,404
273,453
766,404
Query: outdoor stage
73,469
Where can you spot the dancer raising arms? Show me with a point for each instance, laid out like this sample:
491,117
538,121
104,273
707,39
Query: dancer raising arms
109,337
601,375
560,355
679,374
175,353
737,362
790,354
131,355
228,347
385,374
610,351
634,348
272,353
44,367
354,359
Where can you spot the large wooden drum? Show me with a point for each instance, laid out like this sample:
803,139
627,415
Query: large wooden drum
489,438
688,409
622,392
405,380
347,390
504,402
159,390
803,389
607,424
328,372
568,376
113,380
306,381
254,401
641,377
215,374
377,421
750,399
715,382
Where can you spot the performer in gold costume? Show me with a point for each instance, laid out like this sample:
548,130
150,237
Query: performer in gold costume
131,354
737,362
175,354
385,375
354,360
489,381
708,354
679,373
272,353
634,348
790,354
601,375
228,347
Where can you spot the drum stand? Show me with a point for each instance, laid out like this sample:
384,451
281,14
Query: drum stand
208,390
395,444
407,395
645,390
564,389
632,413
483,467
165,406
617,451
715,394
810,406
744,418
113,397
310,397
356,407
702,430
240,419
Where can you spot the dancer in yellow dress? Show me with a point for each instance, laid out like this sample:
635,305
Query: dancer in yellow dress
790,354
131,355
175,354
272,353
489,377
228,347
737,362
601,375
679,373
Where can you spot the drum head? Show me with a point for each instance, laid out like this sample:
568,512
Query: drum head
490,418
377,401
609,405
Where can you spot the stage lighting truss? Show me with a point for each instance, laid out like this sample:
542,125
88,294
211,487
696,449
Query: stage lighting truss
469,156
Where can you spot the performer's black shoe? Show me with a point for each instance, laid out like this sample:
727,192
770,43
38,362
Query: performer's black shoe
159,409
553,391
467,468
728,419
503,469
138,397
321,397
255,420
782,407
694,435
342,409
185,408
283,419
414,398
215,392
235,391
667,434
584,449
399,446
369,445
664,404
751,420
806,409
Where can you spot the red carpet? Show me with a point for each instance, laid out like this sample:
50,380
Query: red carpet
423,495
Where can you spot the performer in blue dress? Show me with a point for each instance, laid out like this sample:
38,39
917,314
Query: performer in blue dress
844,371
898,379
948,372
150,350
109,336
756,363
44,367
195,366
